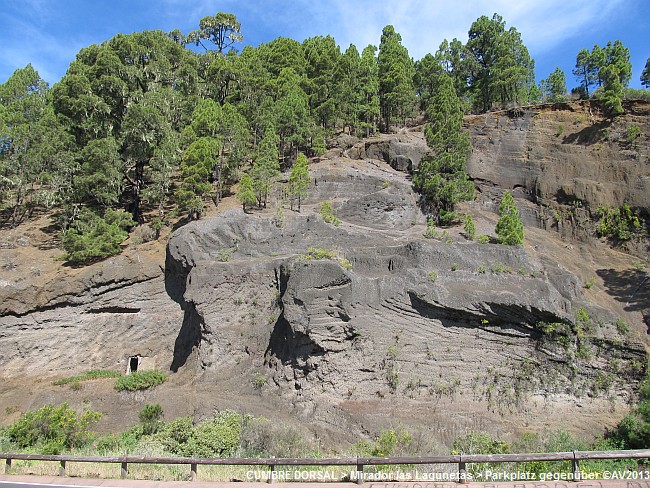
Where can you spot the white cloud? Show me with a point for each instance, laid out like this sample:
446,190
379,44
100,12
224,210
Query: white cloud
423,24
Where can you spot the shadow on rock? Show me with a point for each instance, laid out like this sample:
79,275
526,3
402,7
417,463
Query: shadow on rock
630,286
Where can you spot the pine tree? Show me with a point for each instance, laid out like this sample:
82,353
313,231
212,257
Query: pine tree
645,76
554,87
246,194
470,228
396,72
441,178
266,166
298,180
509,229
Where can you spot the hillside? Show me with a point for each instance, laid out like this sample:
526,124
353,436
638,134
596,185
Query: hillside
389,327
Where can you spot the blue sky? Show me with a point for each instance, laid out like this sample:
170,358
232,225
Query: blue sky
48,33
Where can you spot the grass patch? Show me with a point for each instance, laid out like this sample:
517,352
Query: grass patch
95,374
140,380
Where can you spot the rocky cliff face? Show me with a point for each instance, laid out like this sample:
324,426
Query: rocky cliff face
405,320
367,324
567,158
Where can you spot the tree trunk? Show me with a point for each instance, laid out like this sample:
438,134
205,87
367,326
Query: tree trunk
136,191
216,178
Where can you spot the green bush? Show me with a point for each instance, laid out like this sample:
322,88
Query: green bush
483,239
618,223
140,380
216,437
327,213
89,375
52,429
449,218
93,237
150,417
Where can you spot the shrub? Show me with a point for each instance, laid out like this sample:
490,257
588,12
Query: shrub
431,232
150,417
89,375
327,213
140,380
483,239
263,438
622,327
225,254
52,429
433,275
449,218
320,253
617,223
633,133
479,443
93,237
216,437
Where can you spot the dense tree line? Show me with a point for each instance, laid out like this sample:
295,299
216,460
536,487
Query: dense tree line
141,125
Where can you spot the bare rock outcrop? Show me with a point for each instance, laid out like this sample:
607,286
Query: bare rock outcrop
387,314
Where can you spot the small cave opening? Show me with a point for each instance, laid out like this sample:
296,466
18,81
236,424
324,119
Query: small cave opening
134,363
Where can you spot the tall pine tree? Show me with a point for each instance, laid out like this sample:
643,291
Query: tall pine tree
441,178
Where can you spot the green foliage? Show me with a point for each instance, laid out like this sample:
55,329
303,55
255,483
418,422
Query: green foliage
391,441
318,145
259,382
501,70
483,239
589,283
634,430
267,166
245,193
196,168
395,71
52,429
470,228
554,87
150,417
298,180
622,327
645,75
620,224
509,229
327,213
432,275
632,133
479,443
320,253
140,380
93,237
223,30
441,178
89,375
216,437
225,254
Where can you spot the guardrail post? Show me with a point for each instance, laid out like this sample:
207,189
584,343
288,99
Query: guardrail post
7,465
359,474
271,470
125,470
462,472
193,468
575,467
62,469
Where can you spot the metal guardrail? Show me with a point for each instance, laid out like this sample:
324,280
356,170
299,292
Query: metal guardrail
272,463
